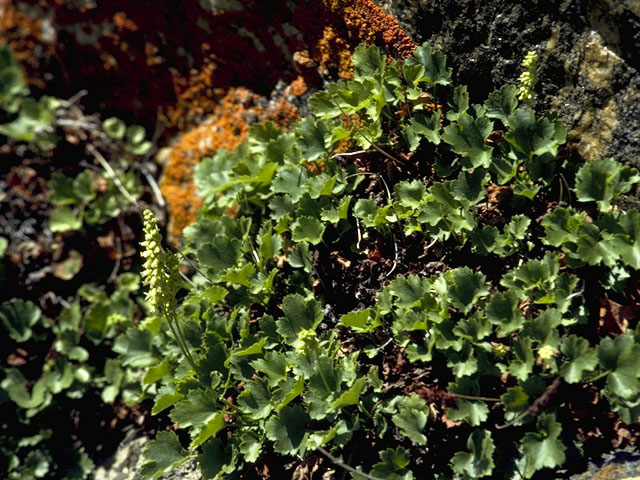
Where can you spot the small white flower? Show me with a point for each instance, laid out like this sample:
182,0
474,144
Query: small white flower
546,352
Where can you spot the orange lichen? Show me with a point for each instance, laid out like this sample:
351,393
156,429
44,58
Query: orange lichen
122,22
24,35
298,87
335,27
189,67
226,128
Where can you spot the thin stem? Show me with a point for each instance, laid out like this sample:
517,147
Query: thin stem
345,466
473,397
112,174
230,405
180,341
600,376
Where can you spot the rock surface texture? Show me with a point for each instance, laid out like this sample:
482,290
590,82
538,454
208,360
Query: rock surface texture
589,56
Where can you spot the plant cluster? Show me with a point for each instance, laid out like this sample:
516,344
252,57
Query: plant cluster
54,366
60,361
403,272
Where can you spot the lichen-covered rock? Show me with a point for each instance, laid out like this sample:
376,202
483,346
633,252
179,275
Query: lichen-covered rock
588,59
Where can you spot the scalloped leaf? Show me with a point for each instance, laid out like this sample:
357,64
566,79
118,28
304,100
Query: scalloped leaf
544,449
465,287
621,357
300,314
468,137
478,462
602,180
580,358
434,63
502,103
288,429
307,229
529,135
162,455
412,418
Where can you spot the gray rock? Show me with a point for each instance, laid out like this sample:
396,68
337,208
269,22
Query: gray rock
127,461
589,56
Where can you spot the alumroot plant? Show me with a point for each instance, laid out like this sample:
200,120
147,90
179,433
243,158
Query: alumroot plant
528,78
474,319
161,275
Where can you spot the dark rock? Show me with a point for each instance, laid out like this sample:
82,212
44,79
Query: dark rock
589,56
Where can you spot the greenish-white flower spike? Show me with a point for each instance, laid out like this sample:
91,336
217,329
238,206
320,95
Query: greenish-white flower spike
529,77
160,268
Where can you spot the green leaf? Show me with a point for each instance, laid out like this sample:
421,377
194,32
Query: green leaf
250,448
288,390
135,134
350,396
580,358
413,73
531,136
216,459
288,429
323,106
478,462
366,209
62,190
135,348
409,291
474,412
465,287
17,317
220,254
427,126
515,399
627,242
360,321
412,418
468,188
64,220
543,449
300,314
15,385
156,373
621,357
522,365
310,138
162,455
603,180
502,310
459,103
196,409
393,465
468,138
290,180
502,103
485,240
368,62
255,399
307,229
434,63
210,428
410,194
114,127
165,398
274,365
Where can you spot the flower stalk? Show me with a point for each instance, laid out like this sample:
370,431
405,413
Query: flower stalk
163,278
